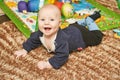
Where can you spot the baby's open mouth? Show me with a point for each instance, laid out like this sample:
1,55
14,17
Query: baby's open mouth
47,28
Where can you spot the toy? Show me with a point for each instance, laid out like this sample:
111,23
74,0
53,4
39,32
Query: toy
22,7
67,10
52,1
30,6
33,5
59,4
65,1
117,33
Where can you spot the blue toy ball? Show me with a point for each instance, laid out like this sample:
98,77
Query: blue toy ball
33,5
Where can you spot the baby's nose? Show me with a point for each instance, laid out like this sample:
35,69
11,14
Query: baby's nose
47,22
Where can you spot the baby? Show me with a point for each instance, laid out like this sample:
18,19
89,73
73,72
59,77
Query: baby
60,41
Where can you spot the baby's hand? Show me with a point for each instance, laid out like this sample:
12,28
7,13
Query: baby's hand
20,53
43,64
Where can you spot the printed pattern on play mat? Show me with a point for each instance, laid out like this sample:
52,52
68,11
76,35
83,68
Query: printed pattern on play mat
29,19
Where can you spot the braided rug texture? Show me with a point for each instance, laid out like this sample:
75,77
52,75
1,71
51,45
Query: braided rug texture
100,62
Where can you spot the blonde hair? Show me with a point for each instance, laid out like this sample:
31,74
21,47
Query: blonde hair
52,7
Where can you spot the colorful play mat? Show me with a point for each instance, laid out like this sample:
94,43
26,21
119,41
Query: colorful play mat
108,20
29,19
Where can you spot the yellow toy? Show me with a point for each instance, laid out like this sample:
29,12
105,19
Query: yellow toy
52,1
67,10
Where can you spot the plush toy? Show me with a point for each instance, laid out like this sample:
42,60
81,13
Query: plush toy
67,10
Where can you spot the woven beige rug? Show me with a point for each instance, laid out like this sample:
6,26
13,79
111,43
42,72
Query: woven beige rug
101,62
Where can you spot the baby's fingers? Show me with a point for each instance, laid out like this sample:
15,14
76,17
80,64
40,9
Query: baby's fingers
24,55
17,54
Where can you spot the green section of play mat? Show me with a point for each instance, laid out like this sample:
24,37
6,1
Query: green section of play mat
111,19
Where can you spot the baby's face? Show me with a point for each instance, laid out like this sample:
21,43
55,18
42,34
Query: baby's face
49,21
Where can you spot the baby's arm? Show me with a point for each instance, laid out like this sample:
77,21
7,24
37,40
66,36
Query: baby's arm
20,53
32,42
60,57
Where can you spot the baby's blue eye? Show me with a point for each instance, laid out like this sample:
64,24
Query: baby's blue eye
51,19
42,19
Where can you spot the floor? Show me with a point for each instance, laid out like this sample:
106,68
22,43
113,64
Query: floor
3,17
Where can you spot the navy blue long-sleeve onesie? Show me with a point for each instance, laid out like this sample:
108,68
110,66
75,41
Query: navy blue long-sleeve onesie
67,40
